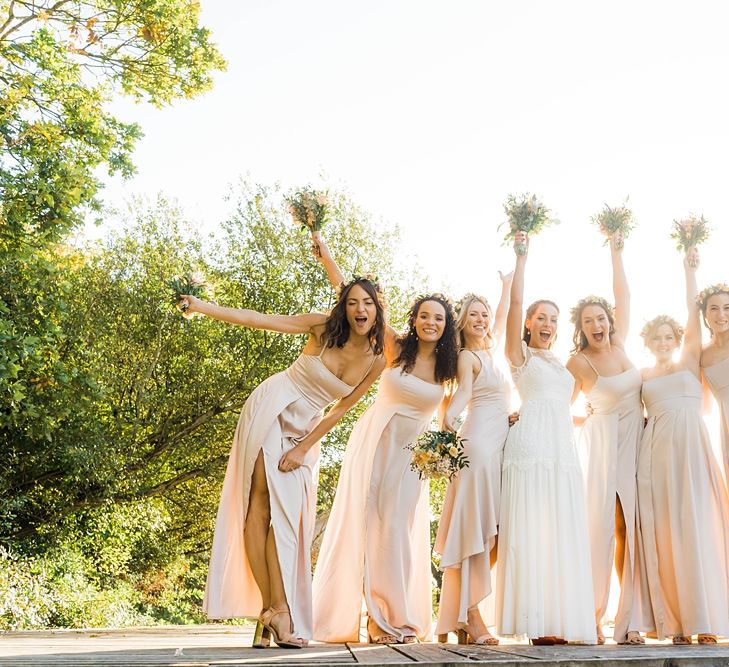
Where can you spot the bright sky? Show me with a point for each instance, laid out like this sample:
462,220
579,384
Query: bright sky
430,113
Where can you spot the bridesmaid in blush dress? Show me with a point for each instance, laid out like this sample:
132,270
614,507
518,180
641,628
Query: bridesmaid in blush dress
260,561
714,305
608,441
468,527
376,546
683,582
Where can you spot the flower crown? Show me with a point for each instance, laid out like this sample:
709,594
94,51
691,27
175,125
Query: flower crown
656,322
369,277
468,298
588,300
711,290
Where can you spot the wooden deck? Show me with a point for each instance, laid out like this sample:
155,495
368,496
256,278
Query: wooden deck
220,646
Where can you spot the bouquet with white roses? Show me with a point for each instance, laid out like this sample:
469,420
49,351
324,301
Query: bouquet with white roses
437,454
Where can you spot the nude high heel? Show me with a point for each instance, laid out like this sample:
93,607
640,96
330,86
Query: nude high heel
282,642
261,636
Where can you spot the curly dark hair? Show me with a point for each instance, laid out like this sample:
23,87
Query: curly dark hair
578,338
336,327
526,334
446,350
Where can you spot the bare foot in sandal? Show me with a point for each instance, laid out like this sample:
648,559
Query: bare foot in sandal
681,640
377,635
633,638
706,639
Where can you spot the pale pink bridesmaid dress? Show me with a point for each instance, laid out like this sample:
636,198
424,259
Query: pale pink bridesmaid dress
282,409
376,547
682,586
470,517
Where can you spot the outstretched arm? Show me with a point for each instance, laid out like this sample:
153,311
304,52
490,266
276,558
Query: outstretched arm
621,291
324,257
691,351
294,458
503,307
513,350
292,324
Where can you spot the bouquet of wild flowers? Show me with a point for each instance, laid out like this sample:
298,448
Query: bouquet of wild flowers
189,284
689,232
525,213
437,454
613,220
309,208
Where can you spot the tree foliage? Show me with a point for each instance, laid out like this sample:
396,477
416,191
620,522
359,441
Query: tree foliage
60,64
152,399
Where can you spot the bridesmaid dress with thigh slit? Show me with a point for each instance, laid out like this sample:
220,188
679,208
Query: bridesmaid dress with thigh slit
277,414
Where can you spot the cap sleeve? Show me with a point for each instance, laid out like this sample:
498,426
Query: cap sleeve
516,371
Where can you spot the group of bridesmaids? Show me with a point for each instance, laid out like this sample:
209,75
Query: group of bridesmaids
550,516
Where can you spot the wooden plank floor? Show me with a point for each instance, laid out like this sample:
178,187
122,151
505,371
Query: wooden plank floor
224,645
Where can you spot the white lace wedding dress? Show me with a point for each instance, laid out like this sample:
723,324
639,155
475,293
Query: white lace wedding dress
544,580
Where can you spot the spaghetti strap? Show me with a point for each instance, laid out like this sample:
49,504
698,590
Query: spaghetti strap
480,361
584,356
369,368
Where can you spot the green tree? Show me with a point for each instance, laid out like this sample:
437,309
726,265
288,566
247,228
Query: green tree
60,64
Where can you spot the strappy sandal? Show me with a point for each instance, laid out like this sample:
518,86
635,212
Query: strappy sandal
633,638
487,639
288,641
409,639
706,639
681,640
261,635
379,636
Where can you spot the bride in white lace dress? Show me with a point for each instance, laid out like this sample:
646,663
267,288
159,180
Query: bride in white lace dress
544,580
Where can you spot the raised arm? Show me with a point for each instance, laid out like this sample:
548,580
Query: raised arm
503,307
691,350
513,350
324,257
463,393
295,456
292,324
320,250
621,291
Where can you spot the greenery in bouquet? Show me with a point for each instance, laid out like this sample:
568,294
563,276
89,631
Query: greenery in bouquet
689,233
612,220
188,284
438,454
525,213
309,208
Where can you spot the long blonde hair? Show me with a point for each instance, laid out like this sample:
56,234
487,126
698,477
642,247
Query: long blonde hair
463,307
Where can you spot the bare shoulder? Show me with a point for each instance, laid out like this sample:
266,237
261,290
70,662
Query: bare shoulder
577,364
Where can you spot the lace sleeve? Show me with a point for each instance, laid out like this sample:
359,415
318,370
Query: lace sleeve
516,371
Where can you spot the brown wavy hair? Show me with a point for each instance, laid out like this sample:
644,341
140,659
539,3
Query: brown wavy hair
526,335
337,329
578,338
446,350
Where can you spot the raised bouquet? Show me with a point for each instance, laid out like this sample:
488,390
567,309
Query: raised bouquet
613,220
438,454
689,232
189,284
525,213
309,208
